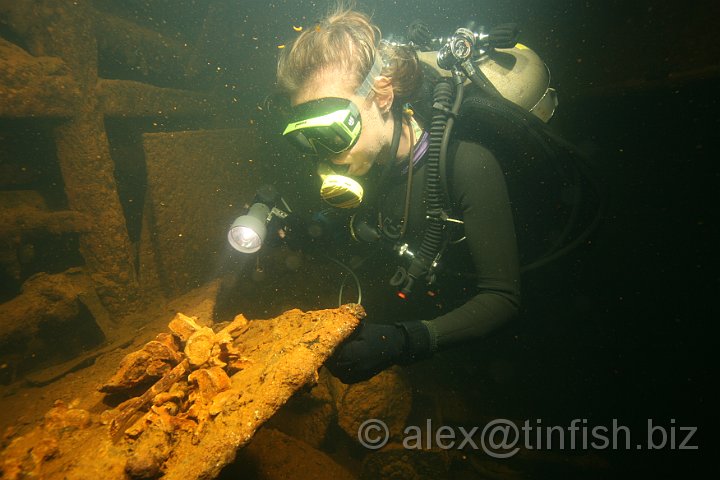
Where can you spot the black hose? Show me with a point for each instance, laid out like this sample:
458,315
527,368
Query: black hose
434,194
459,97
478,78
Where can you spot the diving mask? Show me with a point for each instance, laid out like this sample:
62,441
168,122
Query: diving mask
330,125
325,126
338,189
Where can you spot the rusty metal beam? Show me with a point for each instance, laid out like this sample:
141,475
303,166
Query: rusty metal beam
126,98
34,86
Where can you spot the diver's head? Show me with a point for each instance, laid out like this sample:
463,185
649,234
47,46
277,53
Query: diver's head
345,86
370,114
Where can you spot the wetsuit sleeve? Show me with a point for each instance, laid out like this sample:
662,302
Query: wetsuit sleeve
478,189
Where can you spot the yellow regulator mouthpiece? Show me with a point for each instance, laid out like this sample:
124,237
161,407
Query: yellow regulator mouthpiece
341,191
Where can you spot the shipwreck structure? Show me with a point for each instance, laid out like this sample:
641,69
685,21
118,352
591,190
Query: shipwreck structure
121,167
124,157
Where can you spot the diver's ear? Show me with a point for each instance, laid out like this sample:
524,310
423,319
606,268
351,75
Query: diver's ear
384,95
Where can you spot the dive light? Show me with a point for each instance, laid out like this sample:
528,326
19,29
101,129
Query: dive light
247,233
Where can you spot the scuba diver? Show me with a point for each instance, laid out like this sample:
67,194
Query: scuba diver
396,135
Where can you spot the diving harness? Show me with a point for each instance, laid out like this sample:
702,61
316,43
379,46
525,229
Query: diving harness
462,55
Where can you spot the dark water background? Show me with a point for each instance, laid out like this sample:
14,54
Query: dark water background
623,328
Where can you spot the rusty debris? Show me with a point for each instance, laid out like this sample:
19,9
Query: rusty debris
198,395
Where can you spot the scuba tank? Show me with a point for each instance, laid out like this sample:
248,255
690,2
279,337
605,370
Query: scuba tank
517,73
494,64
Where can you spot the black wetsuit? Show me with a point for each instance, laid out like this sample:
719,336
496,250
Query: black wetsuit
478,286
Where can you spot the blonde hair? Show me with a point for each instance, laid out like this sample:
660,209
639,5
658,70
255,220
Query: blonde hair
347,41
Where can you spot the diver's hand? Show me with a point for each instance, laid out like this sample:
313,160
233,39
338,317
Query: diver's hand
374,347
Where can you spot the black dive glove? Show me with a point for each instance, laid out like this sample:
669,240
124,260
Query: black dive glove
373,347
